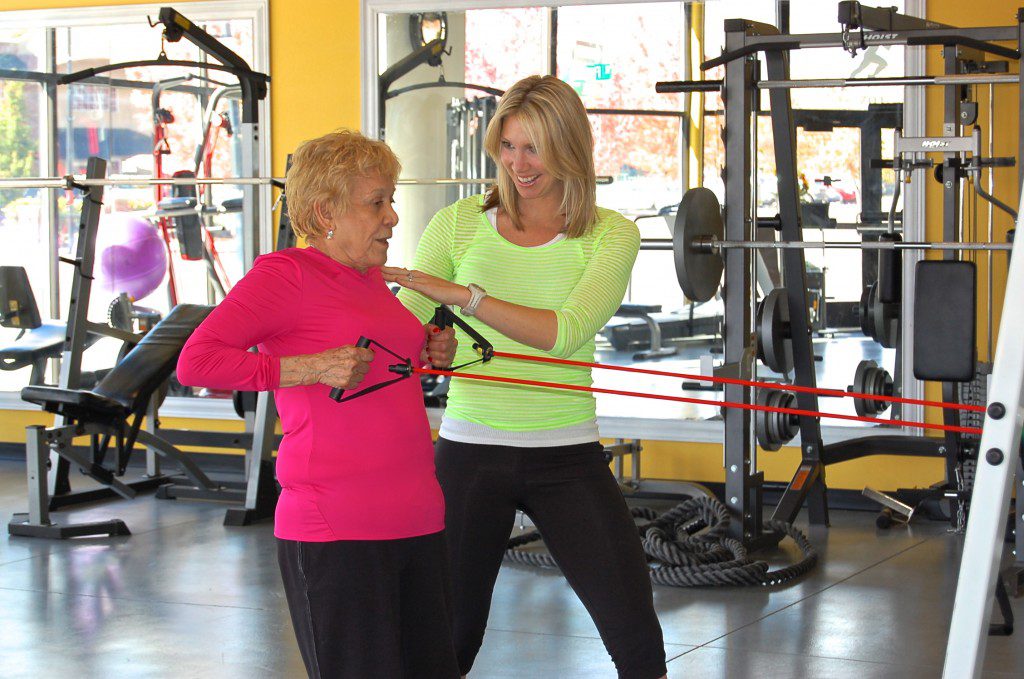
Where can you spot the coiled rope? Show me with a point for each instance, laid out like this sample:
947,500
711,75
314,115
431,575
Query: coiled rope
689,546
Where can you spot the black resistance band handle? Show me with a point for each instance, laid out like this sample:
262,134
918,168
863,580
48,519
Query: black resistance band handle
441,316
338,392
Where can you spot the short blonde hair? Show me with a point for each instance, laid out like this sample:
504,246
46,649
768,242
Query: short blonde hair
323,171
555,119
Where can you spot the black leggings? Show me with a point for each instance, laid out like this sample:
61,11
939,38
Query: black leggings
370,608
572,498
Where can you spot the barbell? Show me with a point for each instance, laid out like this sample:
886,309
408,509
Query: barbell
698,244
69,182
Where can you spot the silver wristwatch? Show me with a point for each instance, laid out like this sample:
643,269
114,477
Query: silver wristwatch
476,293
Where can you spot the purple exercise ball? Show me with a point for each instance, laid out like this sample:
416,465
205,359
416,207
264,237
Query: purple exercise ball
131,256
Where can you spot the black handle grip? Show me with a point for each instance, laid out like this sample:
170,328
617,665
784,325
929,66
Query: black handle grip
441,317
675,86
338,392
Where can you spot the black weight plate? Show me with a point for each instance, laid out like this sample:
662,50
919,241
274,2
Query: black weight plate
866,308
886,323
774,348
870,379
699,216
774,430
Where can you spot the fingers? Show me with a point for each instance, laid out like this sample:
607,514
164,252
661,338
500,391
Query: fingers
441,345
407,278
345,366
362,354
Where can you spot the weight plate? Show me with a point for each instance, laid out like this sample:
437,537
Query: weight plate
867,316
699,216
773,430
870,379
886,322
774,347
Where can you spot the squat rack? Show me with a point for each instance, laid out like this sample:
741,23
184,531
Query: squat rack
744,41
964,57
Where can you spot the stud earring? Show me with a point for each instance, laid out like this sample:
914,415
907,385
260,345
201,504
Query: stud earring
330,234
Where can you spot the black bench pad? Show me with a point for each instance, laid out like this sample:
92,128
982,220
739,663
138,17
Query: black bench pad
132,381
45,341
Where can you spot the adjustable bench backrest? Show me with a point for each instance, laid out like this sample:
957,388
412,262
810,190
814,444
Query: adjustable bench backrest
141,372
18,308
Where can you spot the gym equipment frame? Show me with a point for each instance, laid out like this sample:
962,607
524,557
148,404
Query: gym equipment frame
104,414
986,525
745,41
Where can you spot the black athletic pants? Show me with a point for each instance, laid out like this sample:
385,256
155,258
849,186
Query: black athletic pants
371,608
572,498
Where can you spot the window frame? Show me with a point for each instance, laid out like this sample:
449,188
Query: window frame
691,430
50,20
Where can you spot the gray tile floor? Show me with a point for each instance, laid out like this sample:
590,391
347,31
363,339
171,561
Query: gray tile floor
185,596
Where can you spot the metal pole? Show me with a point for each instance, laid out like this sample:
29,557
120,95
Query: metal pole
808,483
742,481
712,245
669,87
999,458
62,183
905,81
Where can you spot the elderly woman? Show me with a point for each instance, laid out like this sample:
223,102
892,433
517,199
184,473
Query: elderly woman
537,261
360,520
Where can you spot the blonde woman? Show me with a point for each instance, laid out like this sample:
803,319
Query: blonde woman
360,521
544,268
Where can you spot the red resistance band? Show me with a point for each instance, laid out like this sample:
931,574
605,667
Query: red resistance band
838,393
684,399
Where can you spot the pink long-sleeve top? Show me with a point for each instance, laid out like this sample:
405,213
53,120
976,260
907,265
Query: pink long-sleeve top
358,470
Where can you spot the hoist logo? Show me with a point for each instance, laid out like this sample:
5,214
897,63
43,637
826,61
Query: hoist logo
934,144
880,36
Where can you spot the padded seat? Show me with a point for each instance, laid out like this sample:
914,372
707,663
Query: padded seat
128,387
75,404
37,344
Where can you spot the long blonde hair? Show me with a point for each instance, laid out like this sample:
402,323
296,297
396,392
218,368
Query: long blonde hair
554,118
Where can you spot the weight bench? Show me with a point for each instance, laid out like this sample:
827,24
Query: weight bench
113,409
644,311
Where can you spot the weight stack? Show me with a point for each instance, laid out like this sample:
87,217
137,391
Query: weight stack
974,393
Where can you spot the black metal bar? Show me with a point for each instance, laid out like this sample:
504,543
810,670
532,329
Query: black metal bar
851,449
444,83
746,50
88,73
741,479
795,279
854,15
963,41
385,80
676,86
768,41
177,26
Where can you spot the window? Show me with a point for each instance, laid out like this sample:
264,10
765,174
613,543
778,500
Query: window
144,121
651,147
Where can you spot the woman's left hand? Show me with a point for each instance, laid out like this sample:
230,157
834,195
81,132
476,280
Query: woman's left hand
441,345
437,289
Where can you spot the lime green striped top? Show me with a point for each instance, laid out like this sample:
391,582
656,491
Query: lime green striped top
583,280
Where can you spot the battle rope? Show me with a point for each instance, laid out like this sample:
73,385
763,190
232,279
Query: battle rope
689,546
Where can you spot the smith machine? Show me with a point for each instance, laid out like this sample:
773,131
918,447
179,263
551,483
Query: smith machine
943,344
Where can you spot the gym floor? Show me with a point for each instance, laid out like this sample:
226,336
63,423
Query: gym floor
185,596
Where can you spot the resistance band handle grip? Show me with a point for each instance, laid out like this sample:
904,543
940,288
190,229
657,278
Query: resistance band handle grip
338,392
441,315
